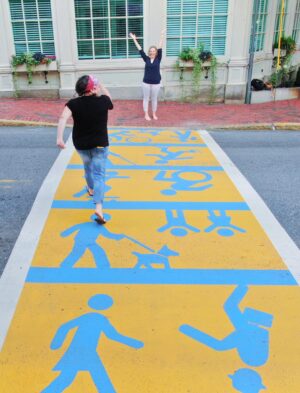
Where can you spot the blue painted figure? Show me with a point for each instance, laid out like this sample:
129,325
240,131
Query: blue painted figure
250,338
246,380
159,258
112,175
85,239
177,224
171,155
185,136
82,354
222,224
181,184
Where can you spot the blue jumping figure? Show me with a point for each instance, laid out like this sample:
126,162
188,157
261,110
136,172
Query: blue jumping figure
246,380
85,239
177,224
171,155
159,258
179,183
250,338
222,224
82,354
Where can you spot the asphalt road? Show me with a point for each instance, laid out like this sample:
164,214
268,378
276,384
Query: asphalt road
269,160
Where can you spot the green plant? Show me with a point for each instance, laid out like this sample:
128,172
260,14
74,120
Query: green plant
288,44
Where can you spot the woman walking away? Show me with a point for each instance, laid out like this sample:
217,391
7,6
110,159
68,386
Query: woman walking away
152,77
90,138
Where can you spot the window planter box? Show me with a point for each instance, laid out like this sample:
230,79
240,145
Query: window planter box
39,68
282,52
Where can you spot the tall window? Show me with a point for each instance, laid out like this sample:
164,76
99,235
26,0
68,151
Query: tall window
194,22
277,23
32,26
103,27
261,22
296,29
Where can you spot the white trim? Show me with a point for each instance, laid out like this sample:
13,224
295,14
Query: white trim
15,272
282,242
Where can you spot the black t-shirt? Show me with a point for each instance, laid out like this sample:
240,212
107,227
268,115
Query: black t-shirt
152,70
90,121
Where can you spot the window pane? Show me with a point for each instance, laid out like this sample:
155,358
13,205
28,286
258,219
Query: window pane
20,48
19,31
220,24
101,28
221,7
188,25
34,47
102,49
48,48
135,25
204,25
16,9
133,52
218,47
188,42
173,46
85,49
44,7
173,27
189,6
135,7
118,28
118,48
30,9
205,42
84,28
82,8
117,8
100,8
205,7
33,33
47,31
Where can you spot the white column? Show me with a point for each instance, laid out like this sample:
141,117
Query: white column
6,51
238,40
65,39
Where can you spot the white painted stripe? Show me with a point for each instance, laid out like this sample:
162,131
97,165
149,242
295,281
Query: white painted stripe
282,242
15,272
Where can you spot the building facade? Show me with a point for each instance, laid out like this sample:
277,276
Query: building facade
91,36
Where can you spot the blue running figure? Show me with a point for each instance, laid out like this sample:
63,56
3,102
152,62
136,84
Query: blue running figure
171,155
181,184
86,239
246,380
185,136
177,224
159,258
250,337
82,354
222,223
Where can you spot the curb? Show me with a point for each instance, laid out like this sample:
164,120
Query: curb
234,127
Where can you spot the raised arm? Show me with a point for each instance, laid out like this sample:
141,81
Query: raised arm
133,36
64,117
162,38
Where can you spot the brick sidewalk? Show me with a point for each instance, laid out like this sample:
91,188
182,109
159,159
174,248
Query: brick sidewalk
129,113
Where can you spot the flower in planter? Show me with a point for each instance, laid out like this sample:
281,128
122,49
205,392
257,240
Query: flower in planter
205,55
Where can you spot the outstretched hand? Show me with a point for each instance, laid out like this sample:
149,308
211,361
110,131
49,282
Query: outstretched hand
132,35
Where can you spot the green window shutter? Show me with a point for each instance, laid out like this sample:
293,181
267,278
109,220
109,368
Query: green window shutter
196,22
103,27
32,26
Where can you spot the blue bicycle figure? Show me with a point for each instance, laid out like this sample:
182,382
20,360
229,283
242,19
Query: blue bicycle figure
179,183
171,155
250,337
222,224
246,380
177,224
82,354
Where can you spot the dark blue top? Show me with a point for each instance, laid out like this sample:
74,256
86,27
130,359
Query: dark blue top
152,70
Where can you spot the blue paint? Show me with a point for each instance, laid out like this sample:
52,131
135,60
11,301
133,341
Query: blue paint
157,144
86,235
154,167
168,155
151,205
177,224
82,354
181,184
250,337
159,258
160,276
246,380
221,223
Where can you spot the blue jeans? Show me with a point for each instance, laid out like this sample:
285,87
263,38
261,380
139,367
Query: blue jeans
94,162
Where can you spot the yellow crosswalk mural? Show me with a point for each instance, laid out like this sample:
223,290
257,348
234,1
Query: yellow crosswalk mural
181,291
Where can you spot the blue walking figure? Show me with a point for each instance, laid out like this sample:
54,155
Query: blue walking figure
181,184
250,338
82,353
85,239
185,136
171,155
160,257
246,380
177,224
222,223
